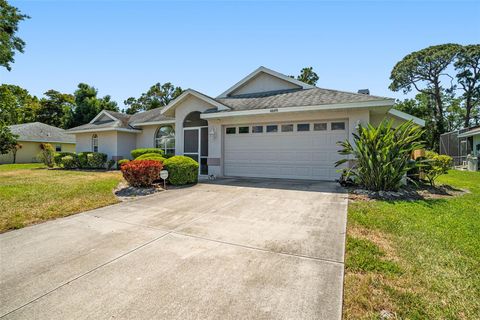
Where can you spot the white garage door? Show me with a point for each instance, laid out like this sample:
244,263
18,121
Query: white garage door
306,150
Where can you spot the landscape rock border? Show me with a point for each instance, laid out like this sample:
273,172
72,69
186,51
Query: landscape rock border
409,193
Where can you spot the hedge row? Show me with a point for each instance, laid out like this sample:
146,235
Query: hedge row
82,160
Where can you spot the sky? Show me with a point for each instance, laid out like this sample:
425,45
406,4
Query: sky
124,47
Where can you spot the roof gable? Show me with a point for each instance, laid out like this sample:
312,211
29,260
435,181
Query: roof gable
168,110
264,80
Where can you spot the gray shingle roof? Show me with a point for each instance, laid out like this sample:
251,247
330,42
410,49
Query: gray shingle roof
149,116
294,98
264,100
125,121
37,131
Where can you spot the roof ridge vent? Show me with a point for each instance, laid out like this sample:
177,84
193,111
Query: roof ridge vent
364,91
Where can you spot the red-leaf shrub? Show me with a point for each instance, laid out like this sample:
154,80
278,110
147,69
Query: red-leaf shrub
141,173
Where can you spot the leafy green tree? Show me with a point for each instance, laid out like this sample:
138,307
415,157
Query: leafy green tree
87,105
422,70
159,95
308,76
467,65
55,108
8,140
17,105
9,42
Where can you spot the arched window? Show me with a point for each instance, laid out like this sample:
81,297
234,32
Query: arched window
165,139
95,143
193,120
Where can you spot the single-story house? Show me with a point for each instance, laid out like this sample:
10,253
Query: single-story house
266,125
31,135
461,143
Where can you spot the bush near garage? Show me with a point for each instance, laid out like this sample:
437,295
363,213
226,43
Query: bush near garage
141,173
181,170
59,155
151,156
138,152
382,154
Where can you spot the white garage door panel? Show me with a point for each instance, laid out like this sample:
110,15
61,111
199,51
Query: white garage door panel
296,155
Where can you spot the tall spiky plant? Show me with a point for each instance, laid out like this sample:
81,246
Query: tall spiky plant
382,154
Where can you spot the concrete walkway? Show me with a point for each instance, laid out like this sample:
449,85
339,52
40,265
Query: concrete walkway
232,249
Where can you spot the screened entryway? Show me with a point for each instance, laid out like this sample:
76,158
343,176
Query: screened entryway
195,140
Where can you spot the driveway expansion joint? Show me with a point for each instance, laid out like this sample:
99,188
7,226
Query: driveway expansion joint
336,262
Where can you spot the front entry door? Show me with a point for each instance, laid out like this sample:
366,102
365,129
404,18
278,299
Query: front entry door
195,146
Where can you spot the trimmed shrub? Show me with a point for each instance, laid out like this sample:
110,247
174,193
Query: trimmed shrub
138,152
59,155
181,170
92,160
96,160
82,159
69,162
141,173
151,156
122,162
434,165
110,164
47,154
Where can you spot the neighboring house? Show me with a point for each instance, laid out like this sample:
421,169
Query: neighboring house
461,143
31,135
266,125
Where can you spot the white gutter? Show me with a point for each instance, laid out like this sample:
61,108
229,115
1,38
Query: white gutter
139,124
45,141
104,129
337,106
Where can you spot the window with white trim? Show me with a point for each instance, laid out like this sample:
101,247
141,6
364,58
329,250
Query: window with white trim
338,125
272,128
95,143
165,139
320,126
257,129
303,127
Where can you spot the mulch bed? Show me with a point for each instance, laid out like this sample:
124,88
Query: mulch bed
408,193
125,193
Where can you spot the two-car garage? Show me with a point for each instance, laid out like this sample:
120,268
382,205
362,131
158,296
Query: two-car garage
293,150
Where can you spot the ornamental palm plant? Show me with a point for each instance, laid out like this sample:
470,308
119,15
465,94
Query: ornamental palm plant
382,154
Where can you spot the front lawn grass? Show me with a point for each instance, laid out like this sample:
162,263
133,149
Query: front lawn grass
416,260
30,193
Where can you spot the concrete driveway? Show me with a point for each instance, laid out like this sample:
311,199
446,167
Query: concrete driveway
232,249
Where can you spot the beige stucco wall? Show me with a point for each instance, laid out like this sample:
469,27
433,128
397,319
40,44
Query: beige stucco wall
376,119
107,142
126,142
187,106
28,152
264,82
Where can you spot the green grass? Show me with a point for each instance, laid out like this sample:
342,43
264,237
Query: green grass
418,260
30,193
